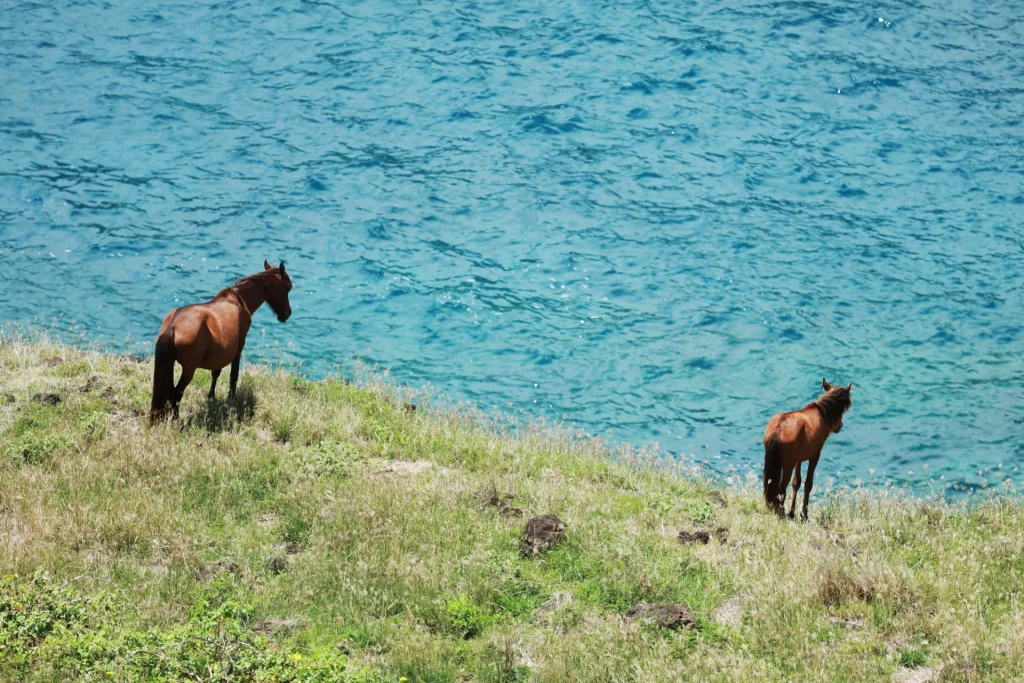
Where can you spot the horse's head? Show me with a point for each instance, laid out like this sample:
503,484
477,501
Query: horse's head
835,402
278,286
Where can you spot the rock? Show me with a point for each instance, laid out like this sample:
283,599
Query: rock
849,623
666,616
47,399
268,626
557,601
541,533
53,362
703,536
10,398
502,501
135,358
959,671
718,499
921,674
729,613
291,548
277,564
687,537
410,407
224,566
401,467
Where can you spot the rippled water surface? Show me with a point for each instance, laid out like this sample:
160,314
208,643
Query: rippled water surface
664,221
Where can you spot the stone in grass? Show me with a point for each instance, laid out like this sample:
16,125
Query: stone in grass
277,564
718,499
224,566
53,362
270,626
729,613
703,536
10,398
47,399
921,674
666,616
541,533
503,502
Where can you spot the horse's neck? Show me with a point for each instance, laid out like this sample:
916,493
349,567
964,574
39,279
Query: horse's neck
252,295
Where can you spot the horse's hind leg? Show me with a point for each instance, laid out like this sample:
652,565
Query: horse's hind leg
186,376
810,483
787,472
796,487
214,374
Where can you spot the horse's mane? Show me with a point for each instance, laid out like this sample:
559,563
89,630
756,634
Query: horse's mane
264,277
833,404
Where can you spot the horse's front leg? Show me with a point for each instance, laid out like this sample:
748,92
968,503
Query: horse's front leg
796,487
235,365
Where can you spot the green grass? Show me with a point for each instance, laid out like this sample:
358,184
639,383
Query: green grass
323,531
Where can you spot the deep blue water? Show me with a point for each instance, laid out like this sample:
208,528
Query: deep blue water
666,220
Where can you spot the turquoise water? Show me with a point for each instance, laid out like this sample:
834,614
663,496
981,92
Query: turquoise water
663,222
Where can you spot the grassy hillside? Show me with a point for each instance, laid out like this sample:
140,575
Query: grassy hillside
325,531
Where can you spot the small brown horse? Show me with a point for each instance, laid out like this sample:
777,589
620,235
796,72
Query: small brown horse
796,436
211,335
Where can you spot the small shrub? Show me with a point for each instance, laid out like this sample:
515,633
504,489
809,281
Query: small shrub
912,658
330,459
463,617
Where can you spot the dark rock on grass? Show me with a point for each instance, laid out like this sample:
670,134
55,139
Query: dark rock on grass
10,398
502,501
225,566
703,536
291,547
135,358
666,616
277,564
541,533
410,407
718,499
47,399
53,362
688,537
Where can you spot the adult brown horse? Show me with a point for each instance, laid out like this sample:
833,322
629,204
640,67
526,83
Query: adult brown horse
211,335
796,436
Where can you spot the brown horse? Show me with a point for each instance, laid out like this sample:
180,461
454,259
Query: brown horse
796,436
211,335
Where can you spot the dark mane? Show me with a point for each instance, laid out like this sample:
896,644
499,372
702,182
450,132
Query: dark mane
264,277
833,404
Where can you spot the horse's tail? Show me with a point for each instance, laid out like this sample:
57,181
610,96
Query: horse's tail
772,471
163,374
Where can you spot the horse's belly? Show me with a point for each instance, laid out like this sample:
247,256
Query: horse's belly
216,361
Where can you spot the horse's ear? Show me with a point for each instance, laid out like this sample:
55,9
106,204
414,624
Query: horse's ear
282,268
825,385
267,266
848,387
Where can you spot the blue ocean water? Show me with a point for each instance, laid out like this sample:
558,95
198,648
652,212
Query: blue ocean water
662,222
